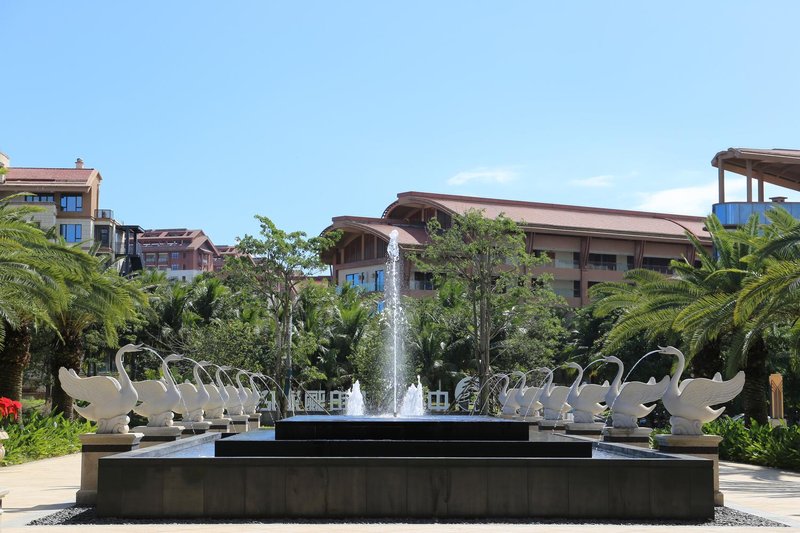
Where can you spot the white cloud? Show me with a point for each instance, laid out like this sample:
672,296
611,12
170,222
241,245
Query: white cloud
695,200
604,180
484,175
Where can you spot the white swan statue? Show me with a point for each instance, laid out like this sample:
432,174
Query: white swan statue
244,392
628,401
554,399
508,397
110,400
251,405
233,405
195,397
585,399
530,404
217,397
159,397
690,401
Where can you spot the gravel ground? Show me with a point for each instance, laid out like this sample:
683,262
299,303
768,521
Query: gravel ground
723,516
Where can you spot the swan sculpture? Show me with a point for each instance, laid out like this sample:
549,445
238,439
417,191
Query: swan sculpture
195,396
689,401
244,392
217,396
159,397
553,398
110,400
251,405
627,401
530,404
508,397
585,399
233,405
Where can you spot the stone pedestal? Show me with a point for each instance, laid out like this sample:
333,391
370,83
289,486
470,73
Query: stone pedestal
633,436
558,426
94,446
239,423
704,446
194,428
158,435
220,425
253,422
585,429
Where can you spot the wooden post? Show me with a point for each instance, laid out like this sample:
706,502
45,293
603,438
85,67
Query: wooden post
721,181
760,189
749,180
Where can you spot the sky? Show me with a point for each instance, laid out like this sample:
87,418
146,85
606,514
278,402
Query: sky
202,114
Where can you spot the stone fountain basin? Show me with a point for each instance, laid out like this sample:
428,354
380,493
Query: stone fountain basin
174,480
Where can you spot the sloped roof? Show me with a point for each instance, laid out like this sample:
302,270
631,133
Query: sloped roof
47,176
190,239
777,166
562,218
407,235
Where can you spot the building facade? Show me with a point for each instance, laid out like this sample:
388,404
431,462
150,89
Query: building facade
182,253
586,245
70,199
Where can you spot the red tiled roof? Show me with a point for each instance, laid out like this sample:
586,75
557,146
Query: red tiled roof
406,235
23,175
563,217
190,239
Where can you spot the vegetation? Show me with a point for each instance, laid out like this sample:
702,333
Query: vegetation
39,437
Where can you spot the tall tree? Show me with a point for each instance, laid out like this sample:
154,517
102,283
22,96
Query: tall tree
489,258
282,261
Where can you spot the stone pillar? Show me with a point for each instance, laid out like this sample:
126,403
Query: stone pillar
94,446
703,446
253,422
585,429
158,435
220,425
240,423
194,428
633,436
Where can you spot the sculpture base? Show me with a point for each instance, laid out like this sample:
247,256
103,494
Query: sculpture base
220,425
93,447
239,423
633,436
703,446
253,422
158,435
552,425
533,420
509,416
586,429
194,428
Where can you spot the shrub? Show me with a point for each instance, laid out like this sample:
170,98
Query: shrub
38,437
778,447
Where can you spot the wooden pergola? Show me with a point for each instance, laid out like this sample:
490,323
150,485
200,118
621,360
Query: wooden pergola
777,166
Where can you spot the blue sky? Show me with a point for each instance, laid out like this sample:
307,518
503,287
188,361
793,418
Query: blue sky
201,114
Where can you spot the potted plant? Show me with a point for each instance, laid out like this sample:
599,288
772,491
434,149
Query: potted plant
9,411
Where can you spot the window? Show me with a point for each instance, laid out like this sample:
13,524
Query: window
71,232
72,202
576,289
175,255
423,281
174,267
162,257
38,198
602,261
103,236
659,264
379,280
150,258
354,280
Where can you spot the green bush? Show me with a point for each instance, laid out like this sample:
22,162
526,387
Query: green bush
778,447
38,437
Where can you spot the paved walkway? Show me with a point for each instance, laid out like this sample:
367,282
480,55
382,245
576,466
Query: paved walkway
42,487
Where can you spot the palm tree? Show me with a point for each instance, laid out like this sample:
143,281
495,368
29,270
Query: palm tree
33,271
696,306
102,298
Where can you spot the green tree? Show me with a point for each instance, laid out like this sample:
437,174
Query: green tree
281,263
489,258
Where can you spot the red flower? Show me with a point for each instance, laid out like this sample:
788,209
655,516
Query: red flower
9,408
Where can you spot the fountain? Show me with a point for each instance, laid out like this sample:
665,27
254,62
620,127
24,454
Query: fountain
355,401
413,403
394,316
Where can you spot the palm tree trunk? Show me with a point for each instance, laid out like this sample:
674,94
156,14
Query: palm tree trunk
754,393
14,357
68,354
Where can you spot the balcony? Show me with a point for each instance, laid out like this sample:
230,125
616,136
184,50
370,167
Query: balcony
733,214
107,214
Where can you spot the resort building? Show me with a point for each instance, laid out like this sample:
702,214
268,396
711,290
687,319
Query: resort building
182,253
586,245
70,199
